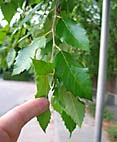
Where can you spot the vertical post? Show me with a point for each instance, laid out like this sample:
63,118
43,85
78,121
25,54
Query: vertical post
102,70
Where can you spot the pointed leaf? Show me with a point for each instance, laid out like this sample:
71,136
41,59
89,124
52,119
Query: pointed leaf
74,78
69,123
72,33
23,60
44,119
42,69
73,107
8,10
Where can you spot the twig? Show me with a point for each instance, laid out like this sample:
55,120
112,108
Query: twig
53,34
47,33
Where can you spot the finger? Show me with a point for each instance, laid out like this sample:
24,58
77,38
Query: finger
14,120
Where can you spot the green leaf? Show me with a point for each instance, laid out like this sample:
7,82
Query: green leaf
72,33
55,102
56,105
42,67
42,86
44,119
73,107
1,1
30,14
8,10
34,1
74,78
68,5
11,57
23,60
20,2
3,49
3,32
69,123
48,48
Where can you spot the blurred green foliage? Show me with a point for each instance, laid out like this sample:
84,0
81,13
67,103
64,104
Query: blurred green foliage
25,76
89,14
107,115
112,131
34,16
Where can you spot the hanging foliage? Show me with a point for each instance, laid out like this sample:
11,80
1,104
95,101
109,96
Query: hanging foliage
47,36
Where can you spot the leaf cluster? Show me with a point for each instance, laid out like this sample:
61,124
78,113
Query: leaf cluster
47,38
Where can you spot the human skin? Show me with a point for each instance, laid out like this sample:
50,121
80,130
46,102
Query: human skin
12,122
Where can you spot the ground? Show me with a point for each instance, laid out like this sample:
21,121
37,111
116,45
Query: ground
15,93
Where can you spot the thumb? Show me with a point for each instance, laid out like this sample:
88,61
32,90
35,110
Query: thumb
14,120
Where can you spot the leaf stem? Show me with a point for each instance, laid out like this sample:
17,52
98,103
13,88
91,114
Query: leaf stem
58,16
22,38
58,47
53,34
47,33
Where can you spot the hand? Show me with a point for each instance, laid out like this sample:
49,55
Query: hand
13,121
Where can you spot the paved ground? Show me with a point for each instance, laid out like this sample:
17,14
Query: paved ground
15,93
